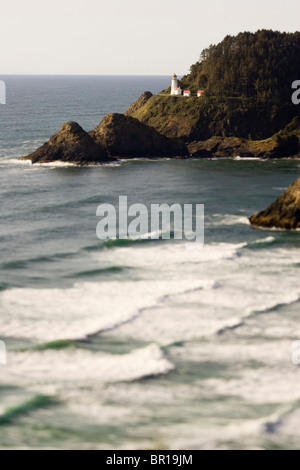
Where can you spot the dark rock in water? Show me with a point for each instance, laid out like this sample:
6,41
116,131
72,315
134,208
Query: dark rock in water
70,144
230,147
283,213
126,137
138,103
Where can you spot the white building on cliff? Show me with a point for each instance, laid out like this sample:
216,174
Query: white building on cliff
175,88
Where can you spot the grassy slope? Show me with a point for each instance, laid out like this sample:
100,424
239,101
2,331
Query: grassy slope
170,115
199,119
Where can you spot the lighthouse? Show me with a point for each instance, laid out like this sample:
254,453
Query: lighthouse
175,89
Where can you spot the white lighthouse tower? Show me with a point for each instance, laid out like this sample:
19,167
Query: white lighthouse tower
175,89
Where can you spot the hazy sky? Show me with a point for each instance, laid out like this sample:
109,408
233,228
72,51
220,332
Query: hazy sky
126,36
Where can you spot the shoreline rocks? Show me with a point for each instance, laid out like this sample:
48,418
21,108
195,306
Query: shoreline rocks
116,136
127,137
284,213
201,124
70,144
229,147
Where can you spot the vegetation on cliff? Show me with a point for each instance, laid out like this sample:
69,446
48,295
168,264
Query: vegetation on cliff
202,118
259,65
247,81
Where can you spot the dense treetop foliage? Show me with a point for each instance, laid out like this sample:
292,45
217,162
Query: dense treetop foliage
259,65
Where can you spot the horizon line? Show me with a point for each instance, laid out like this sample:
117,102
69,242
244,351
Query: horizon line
86,75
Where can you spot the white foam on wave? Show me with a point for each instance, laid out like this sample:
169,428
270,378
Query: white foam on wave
58,164
231,288
260,386
61,164
227,219
174,295
53,314
46,315
15,161
247,434
69,368
239,159
257,370
168,257
265,240
288,425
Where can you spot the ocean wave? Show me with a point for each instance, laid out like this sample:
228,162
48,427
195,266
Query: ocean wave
120,243
75,367
240,284
239,159
246,434
265,385
226,219
286,424
263,241
12,413
15,161
11,154
100,272
45,315
57,164
294,298
22,263
183,295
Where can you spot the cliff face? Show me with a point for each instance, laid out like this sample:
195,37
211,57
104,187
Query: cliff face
139,103
124,136
247,83
227,129
70,144
174,117
202,118
283,213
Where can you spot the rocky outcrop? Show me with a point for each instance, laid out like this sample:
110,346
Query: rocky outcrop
281,145
126,137
172,116
70,144
283,213
232,127
232,147
138,103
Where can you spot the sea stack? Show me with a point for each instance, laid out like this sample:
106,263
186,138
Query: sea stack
126,137
70,144
283,213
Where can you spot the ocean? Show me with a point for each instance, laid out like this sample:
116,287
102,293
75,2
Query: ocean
125,344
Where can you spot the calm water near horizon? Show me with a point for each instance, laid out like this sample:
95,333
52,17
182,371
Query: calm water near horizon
135,345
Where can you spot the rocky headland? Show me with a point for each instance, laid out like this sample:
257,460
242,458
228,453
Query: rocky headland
245,110
223,129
